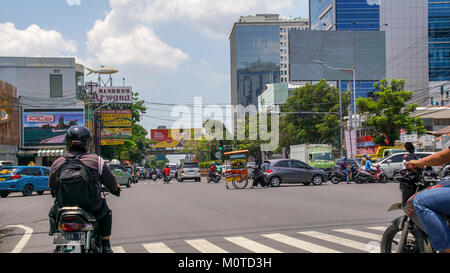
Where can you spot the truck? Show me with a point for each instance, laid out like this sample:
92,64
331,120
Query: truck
384,151
315,155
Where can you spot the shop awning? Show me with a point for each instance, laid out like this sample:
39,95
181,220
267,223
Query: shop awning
51,152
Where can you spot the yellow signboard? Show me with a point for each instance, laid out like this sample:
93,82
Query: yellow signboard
116,118
106,142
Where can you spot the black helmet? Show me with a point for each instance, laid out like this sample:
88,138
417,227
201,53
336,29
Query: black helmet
79,139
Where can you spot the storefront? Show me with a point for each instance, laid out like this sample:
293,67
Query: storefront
40,157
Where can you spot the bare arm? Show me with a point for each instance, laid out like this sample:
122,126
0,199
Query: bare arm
437,159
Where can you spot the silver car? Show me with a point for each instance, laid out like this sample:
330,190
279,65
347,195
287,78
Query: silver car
281,171
394,162
189,171
123,177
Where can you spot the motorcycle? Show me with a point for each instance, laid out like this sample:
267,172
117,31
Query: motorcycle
167,179
77,231
338,176
406,233
445,171
377,176
215,176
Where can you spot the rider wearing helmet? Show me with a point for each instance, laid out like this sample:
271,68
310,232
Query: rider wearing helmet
344,169
166,170
78,143
431,204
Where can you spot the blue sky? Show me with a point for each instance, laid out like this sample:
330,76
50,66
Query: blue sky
168,50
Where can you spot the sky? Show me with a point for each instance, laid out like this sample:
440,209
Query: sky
169,51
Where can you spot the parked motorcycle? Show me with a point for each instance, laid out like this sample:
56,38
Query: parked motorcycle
406,233
77,231
377,176
338,176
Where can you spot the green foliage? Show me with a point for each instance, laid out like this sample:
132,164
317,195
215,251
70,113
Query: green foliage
388,112
313,128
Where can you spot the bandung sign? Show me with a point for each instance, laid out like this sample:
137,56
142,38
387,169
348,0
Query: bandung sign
112,94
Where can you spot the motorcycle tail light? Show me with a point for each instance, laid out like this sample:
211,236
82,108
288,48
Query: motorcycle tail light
182,170
70,227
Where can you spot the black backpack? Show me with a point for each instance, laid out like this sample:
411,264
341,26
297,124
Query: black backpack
76,186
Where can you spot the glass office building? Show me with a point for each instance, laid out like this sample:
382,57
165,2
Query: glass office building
361,15
257,60
439,39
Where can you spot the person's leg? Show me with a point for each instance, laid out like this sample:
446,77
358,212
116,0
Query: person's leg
429,206
347,176
105,226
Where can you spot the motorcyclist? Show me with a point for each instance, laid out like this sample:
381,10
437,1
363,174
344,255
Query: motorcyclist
368,164
344,169
166,171
212,169
78,143
405,160
432,203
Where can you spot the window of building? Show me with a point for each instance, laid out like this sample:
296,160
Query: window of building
56,86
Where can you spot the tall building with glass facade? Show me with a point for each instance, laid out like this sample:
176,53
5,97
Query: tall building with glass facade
259,54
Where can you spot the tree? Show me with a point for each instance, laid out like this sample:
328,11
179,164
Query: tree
320,122
387,112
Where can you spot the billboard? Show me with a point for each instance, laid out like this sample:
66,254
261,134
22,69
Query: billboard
173,138
114,94
116,133
116,118
47,127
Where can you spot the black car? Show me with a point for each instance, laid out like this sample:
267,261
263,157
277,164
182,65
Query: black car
281,171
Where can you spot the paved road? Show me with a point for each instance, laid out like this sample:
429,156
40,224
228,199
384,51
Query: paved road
192,217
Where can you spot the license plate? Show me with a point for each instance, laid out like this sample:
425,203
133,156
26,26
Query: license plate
73,238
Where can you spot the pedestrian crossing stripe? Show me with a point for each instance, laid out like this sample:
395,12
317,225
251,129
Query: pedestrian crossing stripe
205,246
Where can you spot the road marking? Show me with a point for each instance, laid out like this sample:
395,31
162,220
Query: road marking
378,228
205,247
25,238
158,248
362,234
118,249
310,247
251,245
338,240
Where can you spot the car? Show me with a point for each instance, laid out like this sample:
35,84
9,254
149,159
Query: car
173,169
188,171
133,172
353,162
281,171
392,163
24,179
122,176
5,163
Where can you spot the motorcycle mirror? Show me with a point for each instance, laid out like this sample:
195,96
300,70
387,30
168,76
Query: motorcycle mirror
410,147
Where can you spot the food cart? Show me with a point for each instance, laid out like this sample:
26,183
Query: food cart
237,175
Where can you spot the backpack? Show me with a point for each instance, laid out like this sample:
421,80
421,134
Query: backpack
76,186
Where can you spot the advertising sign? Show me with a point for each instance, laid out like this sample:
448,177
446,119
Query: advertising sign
172,138
48,127
116,133
404,137
107,142
118,94
115,118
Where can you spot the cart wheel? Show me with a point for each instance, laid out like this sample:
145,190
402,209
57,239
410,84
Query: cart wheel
240,184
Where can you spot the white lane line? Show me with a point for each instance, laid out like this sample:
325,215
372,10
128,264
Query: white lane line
310,247
25,238
118,249
251,245
205,247
359,233
340,241
158,248
378,228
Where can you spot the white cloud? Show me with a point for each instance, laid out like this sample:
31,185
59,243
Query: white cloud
73,2
34,42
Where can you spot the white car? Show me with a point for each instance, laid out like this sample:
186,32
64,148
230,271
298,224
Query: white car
392,163
189,171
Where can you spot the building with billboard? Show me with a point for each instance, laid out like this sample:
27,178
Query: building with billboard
48,90
338,49
417,38
259,54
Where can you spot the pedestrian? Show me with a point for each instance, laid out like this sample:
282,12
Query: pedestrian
258,175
